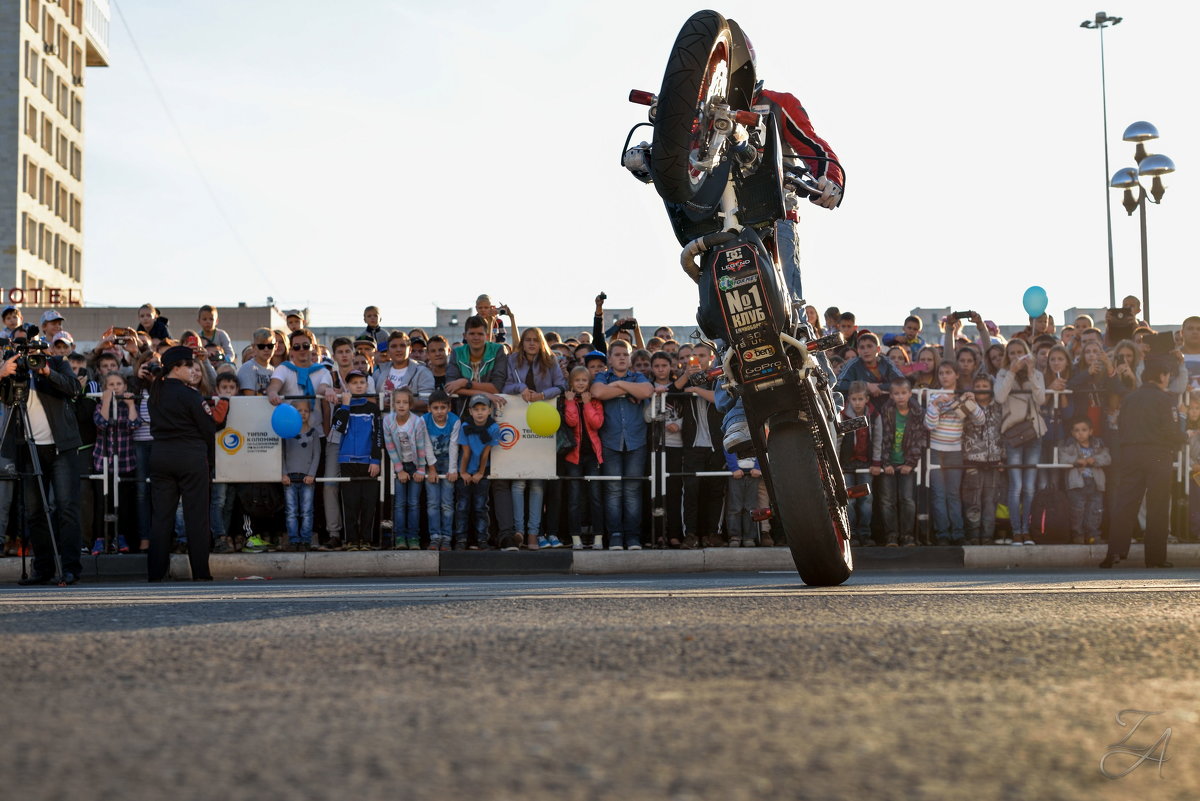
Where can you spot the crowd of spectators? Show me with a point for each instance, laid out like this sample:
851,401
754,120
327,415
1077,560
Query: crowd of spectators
997,438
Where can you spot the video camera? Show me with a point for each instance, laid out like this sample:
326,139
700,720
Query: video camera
30,352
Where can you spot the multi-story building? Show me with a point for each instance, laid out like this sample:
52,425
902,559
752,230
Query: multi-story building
45,46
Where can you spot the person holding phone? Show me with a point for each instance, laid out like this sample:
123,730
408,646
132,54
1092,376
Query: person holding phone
1020,391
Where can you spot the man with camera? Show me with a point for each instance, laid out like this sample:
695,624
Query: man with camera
51,389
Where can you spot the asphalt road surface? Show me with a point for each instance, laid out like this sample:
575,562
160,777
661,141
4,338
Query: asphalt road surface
907,686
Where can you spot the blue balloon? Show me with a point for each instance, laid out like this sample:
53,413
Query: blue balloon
1035,301
285,421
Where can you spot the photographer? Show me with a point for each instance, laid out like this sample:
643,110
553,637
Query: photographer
52,387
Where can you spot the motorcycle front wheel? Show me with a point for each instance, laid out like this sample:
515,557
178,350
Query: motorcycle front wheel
816,524
698,72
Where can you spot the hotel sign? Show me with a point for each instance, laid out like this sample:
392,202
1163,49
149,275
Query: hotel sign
46,296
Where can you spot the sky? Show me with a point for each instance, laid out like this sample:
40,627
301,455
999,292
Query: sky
413,155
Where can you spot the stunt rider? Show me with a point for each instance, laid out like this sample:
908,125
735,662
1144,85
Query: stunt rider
801,145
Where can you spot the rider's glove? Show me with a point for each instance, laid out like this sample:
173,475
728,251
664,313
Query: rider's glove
831,194
637,161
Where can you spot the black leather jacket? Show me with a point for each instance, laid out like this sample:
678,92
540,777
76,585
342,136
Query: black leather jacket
57,393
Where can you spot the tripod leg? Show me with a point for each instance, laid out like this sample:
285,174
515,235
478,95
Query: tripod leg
36,463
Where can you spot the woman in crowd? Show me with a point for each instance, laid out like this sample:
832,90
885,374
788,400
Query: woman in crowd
1056,410
1020,391
534,374
967,359
995,359
1127,365
926,377
899,356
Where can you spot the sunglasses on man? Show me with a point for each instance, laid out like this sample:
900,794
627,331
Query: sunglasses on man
302,346
265,346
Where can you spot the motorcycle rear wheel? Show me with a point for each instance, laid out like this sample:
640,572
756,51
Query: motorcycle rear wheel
816,525
698,71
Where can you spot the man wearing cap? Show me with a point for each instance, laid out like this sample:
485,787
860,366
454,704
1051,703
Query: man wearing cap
52,323
51,416
294,319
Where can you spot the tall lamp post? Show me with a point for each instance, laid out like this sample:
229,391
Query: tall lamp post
1101,22
1154,166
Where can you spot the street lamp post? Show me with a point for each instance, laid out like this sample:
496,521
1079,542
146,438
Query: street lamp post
1154,166
1101,22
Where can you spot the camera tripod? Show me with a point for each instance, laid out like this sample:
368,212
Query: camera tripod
16,409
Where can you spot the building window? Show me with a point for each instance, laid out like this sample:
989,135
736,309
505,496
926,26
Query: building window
76,112
47,189
64,46
41,239
31,121
48,27
24,231
64,99
33,13
76,163
77,65
77,14
47,82
47,135
33,64
64,151
76,214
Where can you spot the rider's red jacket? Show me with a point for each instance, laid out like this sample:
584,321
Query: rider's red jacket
800,137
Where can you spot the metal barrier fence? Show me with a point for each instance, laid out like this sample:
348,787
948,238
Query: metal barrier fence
658,474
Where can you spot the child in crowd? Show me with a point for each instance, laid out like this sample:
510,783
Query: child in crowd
207,318
584,415
856,455
404,435
11,318
152,324
358,422
442,432
944,418
1085,480
475,451
221,506
898,442
301,457
116,419
741,498
983,453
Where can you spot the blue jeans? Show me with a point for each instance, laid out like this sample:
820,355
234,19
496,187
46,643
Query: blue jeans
946,487
406,506
623,499
298,508
221,505
537,489
859,510
439,506
1021,484
472,499
897,503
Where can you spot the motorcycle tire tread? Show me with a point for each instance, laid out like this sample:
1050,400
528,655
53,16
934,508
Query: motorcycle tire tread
677,100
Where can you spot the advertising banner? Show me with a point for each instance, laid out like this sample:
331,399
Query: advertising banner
520,452
248,449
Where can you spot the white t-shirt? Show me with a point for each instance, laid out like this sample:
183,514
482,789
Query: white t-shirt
38,422
291,386
396,378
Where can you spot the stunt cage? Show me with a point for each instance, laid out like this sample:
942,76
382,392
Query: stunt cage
110,480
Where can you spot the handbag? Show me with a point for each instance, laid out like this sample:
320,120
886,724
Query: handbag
1023,432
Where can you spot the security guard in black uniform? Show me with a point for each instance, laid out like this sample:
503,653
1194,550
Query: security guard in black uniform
1150,435
183,426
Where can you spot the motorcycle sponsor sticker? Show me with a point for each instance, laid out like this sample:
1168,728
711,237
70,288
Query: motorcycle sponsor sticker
758,354
728,282
758,370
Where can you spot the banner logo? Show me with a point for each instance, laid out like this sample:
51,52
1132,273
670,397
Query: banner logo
510,435
231,441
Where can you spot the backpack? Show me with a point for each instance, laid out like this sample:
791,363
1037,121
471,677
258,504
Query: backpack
1051,518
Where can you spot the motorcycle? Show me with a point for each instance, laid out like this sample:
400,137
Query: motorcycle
717,162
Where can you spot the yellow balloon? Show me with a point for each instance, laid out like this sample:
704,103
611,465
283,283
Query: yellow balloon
543,418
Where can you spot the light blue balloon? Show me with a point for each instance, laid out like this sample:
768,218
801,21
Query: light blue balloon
285,421
1035,301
